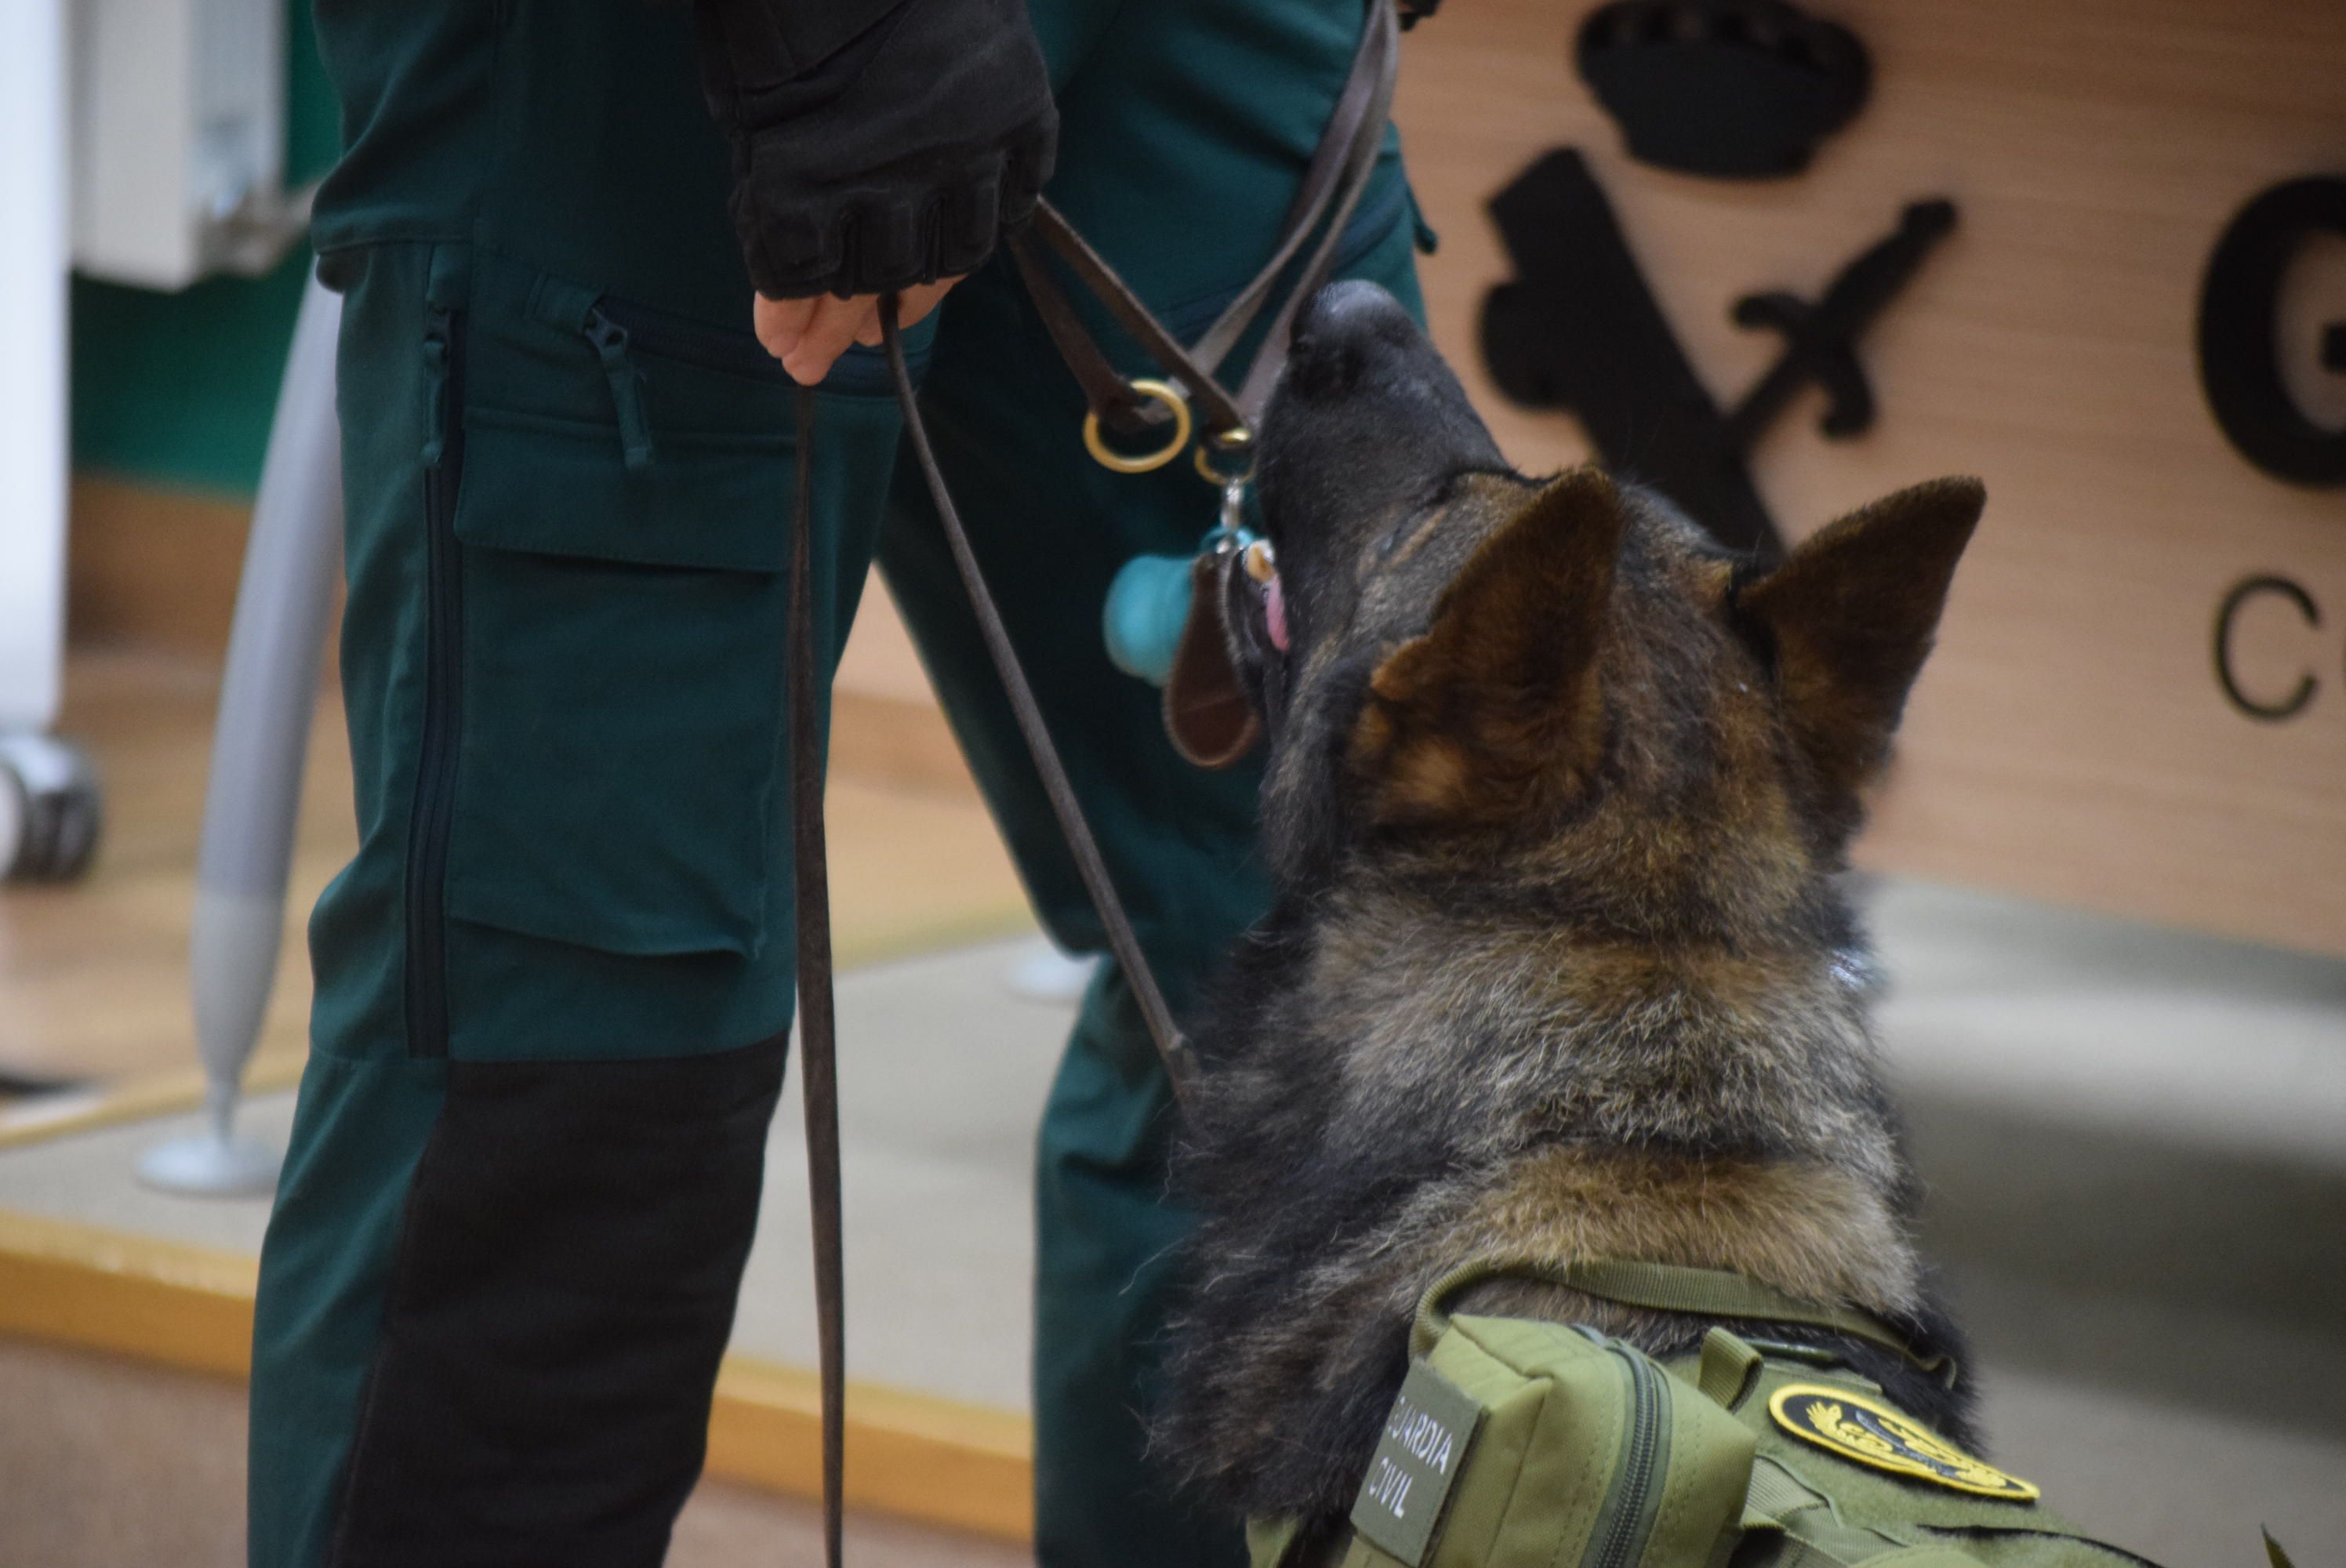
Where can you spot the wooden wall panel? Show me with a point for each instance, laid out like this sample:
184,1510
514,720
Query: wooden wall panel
2069,740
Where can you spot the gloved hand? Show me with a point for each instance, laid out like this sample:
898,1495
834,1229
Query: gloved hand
878,144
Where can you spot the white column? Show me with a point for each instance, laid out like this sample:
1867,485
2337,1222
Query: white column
33,372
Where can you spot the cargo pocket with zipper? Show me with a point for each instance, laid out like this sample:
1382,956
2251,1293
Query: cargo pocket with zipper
609,529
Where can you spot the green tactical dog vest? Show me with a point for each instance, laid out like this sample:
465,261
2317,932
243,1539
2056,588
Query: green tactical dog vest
1522,1444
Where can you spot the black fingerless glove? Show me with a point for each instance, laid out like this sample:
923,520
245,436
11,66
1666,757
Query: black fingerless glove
876,143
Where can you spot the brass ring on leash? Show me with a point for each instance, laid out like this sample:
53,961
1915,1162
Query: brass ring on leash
1168,396
1237,441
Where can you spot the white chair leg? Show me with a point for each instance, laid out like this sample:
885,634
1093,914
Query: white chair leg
267,694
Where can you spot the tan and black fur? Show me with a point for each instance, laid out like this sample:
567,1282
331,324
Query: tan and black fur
1556,804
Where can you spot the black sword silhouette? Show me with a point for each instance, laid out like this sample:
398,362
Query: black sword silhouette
1579,329
1821,340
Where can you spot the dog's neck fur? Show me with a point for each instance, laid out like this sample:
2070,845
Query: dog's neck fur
1560,1088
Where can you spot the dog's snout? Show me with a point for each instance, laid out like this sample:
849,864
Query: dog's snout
1366,417
1351,314
1345,330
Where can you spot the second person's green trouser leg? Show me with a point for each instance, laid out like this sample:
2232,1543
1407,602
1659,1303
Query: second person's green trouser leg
1185,128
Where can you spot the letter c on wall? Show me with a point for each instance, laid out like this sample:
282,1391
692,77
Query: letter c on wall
2302,693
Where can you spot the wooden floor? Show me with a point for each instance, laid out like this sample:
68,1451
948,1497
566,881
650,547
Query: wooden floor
93,976
137,1464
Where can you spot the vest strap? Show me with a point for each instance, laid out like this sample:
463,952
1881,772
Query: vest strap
1673,1288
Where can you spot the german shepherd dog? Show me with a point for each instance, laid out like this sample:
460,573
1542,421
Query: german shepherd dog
1559,966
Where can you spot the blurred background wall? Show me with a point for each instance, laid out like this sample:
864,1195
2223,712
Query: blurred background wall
2071,741
138,412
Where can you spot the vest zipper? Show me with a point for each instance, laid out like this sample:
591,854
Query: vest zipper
1627,1523
435,767
611,342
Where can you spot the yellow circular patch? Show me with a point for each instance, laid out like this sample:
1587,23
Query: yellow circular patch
1869,1433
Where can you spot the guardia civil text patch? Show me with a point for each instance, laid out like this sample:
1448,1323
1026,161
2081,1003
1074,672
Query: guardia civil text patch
1419,1454
1856,1428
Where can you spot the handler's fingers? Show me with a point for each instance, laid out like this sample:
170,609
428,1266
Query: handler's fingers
837,323
912,304
780,323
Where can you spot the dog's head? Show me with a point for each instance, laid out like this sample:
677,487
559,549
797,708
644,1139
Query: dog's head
1450,653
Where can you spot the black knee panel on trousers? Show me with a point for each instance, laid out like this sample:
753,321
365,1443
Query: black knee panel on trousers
562,1294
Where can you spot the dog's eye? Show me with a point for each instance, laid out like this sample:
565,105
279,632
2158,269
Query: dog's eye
1401,531
1428,510
1414,521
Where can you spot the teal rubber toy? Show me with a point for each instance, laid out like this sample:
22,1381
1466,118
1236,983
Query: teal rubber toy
1147,604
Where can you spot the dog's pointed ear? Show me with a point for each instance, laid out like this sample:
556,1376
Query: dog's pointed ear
1207,711
1495,710
1849,619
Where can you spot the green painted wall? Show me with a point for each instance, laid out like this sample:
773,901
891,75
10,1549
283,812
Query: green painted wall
178,388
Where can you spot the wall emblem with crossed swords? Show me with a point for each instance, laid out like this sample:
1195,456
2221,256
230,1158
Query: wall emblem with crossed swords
1579,328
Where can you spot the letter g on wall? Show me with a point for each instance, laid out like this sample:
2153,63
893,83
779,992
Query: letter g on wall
2239,353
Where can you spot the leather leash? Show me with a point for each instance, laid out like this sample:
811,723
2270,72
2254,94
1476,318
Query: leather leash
1339,172
818,1025
1180,1065
1334,182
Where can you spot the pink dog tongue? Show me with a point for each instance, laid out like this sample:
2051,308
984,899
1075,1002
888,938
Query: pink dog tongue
1274,613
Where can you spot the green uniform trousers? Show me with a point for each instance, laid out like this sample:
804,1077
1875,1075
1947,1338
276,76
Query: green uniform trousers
554,985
